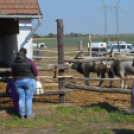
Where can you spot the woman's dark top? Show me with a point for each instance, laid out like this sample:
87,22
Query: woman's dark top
23,67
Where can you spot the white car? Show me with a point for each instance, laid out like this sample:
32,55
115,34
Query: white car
127,48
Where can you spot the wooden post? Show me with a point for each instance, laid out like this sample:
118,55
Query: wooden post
38,51
44,49
80,47
90,45
60,47
119,45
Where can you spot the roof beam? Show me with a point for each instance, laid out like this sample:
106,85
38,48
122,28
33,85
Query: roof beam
22,16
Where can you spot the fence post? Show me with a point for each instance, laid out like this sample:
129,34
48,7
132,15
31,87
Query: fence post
38,52
80,47
60,47
118,45
90,45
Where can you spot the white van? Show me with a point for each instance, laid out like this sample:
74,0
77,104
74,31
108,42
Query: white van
99,48
128,48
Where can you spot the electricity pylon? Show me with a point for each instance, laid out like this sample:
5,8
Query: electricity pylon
116,7
105,12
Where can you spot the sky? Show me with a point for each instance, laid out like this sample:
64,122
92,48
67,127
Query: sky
85,16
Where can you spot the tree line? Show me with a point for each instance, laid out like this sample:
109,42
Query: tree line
52,35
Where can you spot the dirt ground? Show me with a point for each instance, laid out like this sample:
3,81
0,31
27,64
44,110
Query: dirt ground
78,97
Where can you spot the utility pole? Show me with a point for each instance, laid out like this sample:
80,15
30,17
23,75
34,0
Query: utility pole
105,12
116,7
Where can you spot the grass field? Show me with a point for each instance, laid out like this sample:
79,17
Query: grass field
73,41
73,120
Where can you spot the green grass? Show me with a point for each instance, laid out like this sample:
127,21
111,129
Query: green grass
106,132
73,41
16,122
76,120
110,114
68,41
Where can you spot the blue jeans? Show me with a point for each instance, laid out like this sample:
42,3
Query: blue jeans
25,89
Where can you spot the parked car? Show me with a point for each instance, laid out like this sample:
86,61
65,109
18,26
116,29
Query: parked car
116,42
127,48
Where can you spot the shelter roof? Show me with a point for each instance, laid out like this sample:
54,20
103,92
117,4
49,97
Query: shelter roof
22,7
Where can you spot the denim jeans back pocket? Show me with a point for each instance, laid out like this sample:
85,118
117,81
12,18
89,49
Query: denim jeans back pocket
30,84
17,84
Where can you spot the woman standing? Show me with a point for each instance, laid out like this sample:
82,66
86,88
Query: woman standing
24,71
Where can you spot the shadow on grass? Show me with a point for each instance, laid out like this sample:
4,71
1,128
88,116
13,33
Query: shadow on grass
106,106
8,110
45,102
123,131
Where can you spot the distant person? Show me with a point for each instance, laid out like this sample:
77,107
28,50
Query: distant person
10,89
24,71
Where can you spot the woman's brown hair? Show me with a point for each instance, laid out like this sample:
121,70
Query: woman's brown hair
23,50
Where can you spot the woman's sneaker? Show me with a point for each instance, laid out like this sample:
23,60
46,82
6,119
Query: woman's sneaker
22,117
30,116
